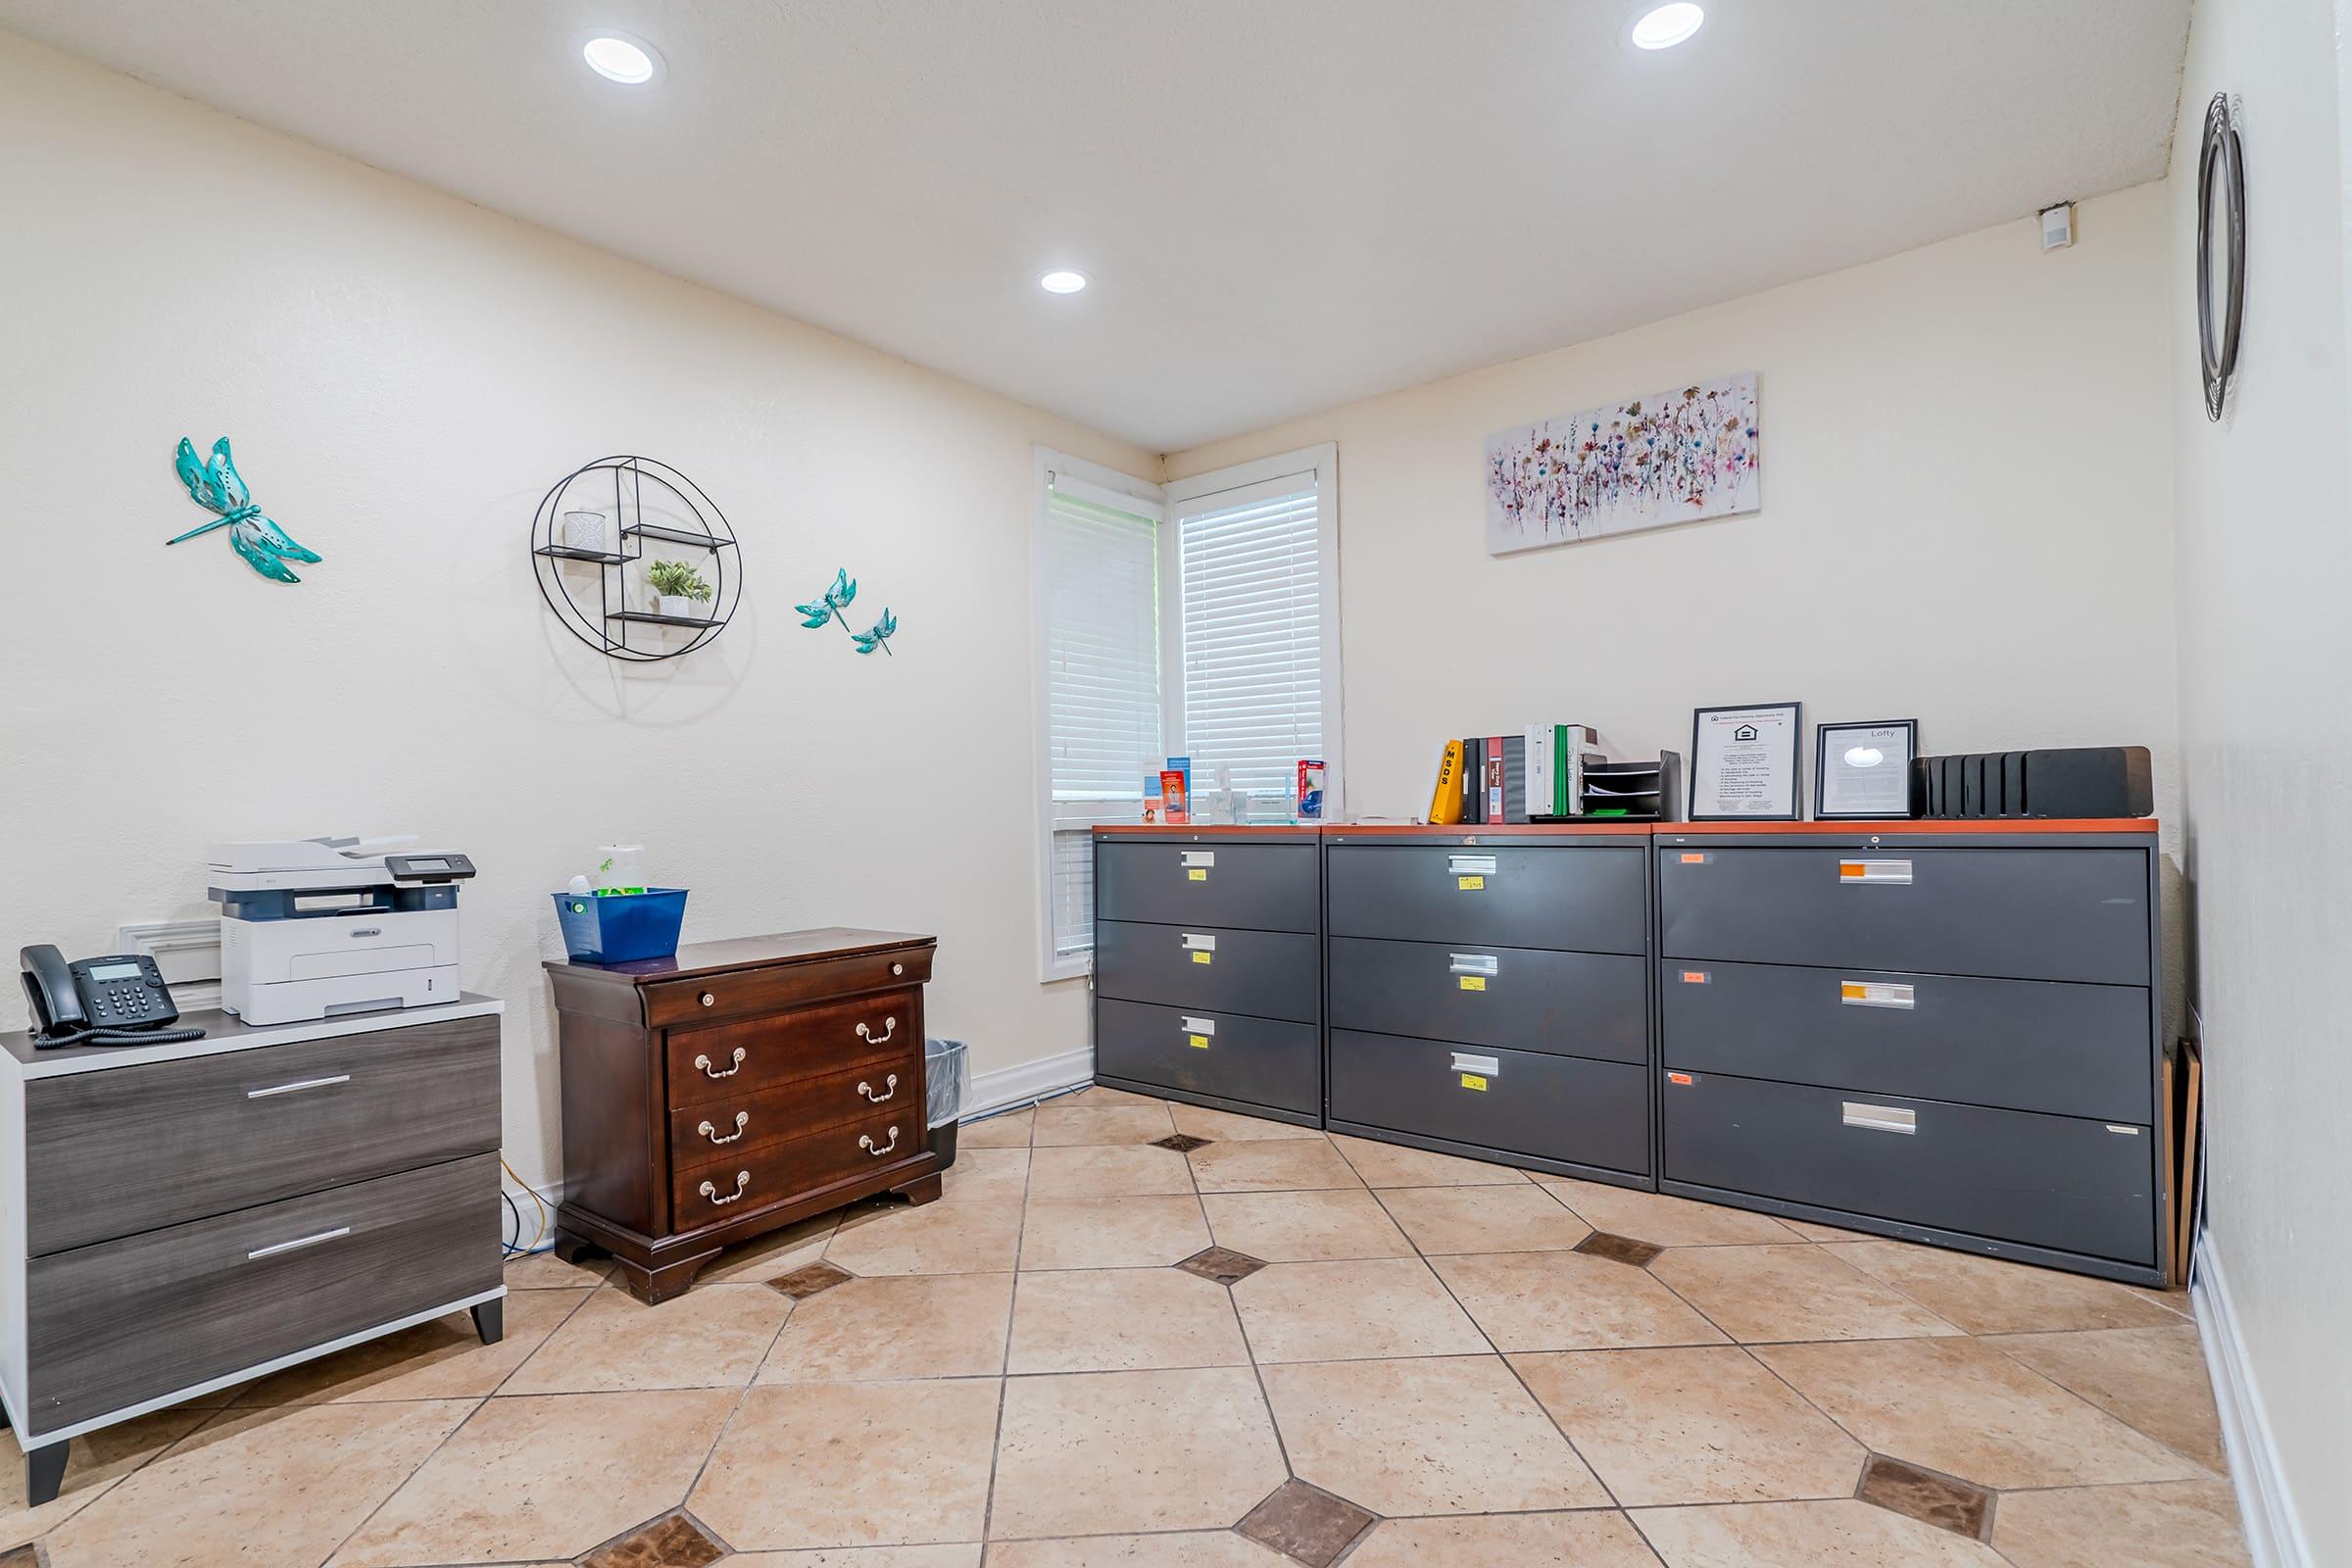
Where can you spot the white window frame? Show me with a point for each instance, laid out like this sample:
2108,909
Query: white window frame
1095,482
1323,463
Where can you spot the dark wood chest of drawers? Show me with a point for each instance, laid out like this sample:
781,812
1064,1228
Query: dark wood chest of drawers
736,1087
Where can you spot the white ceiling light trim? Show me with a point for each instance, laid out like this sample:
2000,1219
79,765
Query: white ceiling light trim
1664,26
623,58
1061,280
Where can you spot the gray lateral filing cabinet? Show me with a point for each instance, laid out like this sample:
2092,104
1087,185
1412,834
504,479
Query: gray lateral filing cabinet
1943,1035
1208,967
179,1218
1488,992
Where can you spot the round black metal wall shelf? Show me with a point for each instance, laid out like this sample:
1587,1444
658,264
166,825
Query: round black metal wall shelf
645,504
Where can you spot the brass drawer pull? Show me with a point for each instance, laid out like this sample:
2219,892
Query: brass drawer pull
866,1141
703,1062
742,1119
890,1028
297,1244
867,1090
298,1088
742,1179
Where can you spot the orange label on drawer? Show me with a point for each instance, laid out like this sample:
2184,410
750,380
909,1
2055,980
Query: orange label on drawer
1694,858
1683,1078
1694,977
1853,990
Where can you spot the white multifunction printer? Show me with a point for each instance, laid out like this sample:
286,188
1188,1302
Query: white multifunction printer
313,928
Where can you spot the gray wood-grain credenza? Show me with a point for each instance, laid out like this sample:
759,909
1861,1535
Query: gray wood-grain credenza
179,1218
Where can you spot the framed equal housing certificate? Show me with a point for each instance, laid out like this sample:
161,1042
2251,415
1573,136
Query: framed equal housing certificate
1743,763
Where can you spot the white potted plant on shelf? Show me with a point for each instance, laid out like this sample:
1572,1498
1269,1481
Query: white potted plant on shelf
678,590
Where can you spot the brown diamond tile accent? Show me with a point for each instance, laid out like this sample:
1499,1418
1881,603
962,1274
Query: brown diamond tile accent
803,1282
671,1542
1619,1249
1305,1523
1182,1143
1905,1489
1222,1264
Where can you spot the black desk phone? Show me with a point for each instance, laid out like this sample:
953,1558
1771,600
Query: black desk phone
117,1001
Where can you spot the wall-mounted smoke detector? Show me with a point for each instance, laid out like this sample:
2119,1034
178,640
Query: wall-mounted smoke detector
2058,226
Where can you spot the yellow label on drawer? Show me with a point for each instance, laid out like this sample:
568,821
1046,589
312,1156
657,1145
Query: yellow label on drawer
1853,990
1470,884
1197,874
1473,982
1471,1080
1202,958
1197,1042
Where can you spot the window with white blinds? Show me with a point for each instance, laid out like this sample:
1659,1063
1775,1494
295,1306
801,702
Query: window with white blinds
1099,560
1250,612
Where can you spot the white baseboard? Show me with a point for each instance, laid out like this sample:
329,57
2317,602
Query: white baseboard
2273,1531
1029,1080
551,1195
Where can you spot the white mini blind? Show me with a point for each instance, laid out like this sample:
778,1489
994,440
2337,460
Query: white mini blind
1252,606
1101,607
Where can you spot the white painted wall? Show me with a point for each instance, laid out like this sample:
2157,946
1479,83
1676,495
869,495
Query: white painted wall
1967,483
2264,527
403,375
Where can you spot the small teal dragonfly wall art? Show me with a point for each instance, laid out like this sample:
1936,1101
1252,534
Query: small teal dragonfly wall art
829,604
214,483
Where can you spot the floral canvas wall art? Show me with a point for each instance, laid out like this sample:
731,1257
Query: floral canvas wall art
1671,457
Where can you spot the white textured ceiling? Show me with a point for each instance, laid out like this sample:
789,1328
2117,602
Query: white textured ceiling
1282,204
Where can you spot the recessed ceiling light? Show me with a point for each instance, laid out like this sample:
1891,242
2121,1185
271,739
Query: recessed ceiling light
1667,25
1062,282
618,57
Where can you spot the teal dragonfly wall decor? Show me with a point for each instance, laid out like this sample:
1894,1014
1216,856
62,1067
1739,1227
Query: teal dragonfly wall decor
214,483
829,604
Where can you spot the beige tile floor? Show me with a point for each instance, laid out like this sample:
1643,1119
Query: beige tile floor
1418,1367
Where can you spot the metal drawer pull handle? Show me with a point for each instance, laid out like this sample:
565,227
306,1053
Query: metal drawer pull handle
1470,865
1474,963
1492,1066
296,1089
1201,859
890,1027
297,1244
1877,873
1881,1118
742,1179
891,1083
1200,942
897,968
708,1000
742,1119
1198,1026
703,1062
866,1141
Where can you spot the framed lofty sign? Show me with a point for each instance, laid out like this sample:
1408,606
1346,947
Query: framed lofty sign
1745,764
1862,771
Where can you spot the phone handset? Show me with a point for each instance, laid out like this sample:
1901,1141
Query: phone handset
121,1001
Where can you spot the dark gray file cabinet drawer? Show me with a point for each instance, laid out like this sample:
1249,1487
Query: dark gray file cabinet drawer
1556,1107
2060,1182
2027,1045
1222,1054
1264,887
129,1320
1268,974
2018,913
134,1149
1567,1003
1585,898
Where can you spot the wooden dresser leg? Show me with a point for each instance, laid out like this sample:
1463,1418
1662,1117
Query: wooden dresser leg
490,1320
922,1189
46,1472
572,1249
654,1286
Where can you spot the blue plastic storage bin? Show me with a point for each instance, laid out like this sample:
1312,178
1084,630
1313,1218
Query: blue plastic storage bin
617,927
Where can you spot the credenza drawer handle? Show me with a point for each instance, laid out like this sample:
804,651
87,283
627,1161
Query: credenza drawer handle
742,1179
890,1027
297,1244
1876,994
298,1088
742,1119
867,1090
1481,963
708,1072
1873,873
1470,864
866,1141
1879,1118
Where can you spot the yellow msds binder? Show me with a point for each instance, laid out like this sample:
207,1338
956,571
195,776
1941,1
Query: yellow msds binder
1446,802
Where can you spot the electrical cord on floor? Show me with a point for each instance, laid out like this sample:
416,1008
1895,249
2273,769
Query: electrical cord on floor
518,1249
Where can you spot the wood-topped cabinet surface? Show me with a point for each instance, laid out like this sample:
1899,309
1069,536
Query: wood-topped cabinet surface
736,1088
